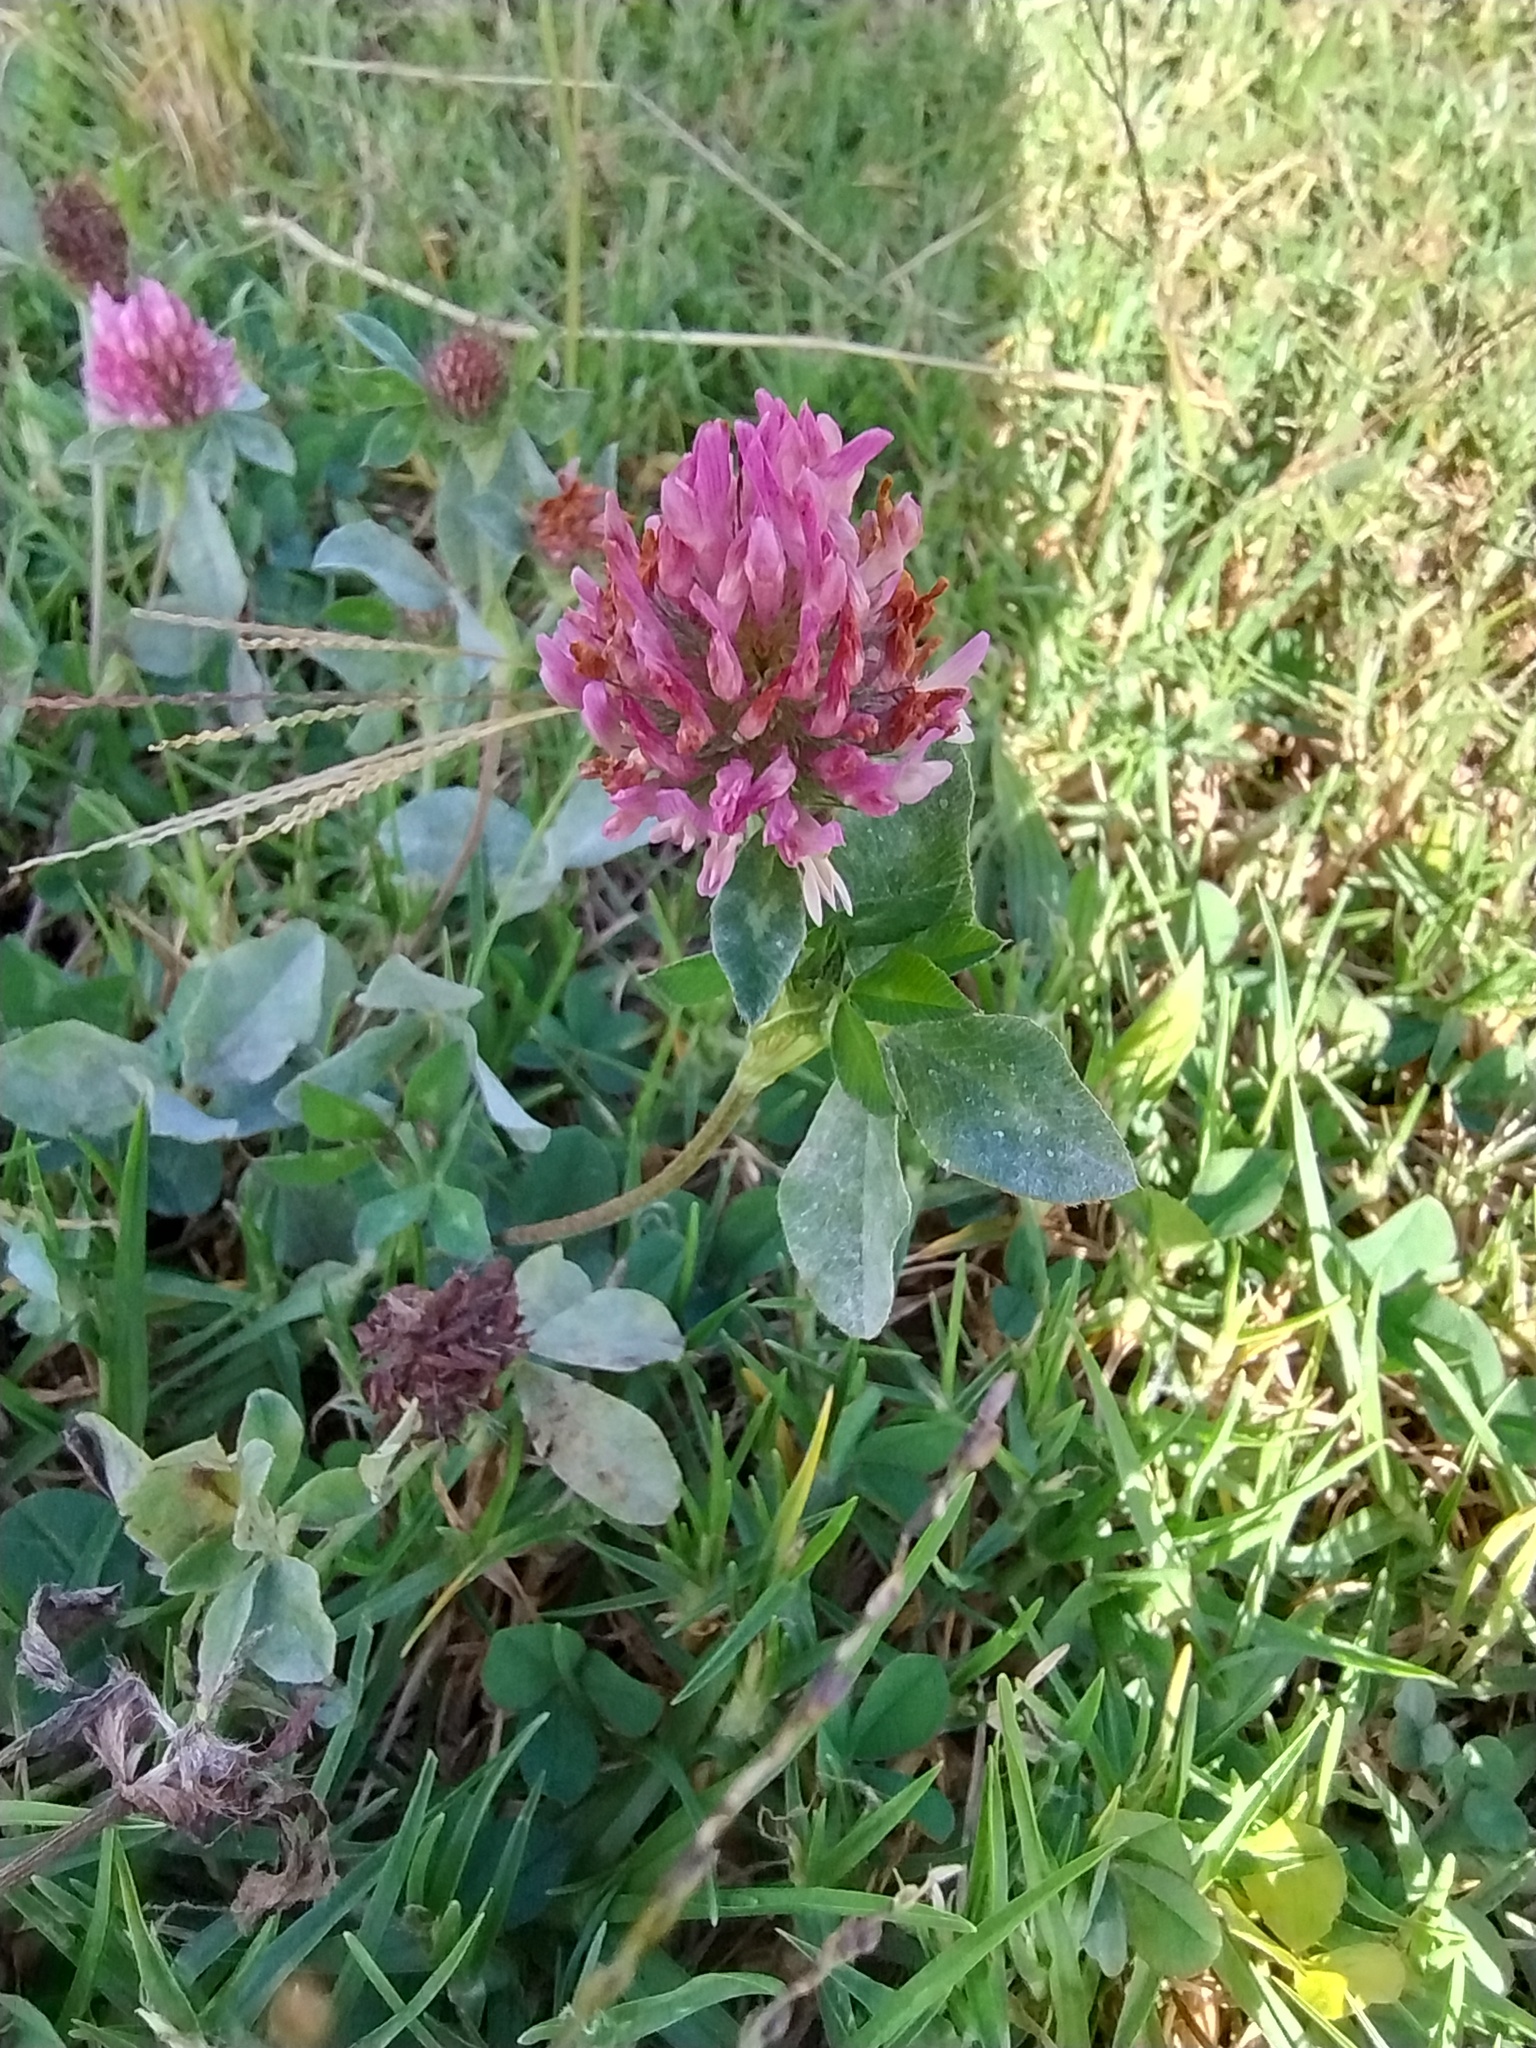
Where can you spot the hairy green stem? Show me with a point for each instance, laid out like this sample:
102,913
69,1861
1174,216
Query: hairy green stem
98,590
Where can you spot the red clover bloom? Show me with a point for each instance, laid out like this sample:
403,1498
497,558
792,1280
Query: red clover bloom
756,655
150,362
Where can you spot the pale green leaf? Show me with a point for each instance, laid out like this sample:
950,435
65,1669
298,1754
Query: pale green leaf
1417,1242
71,1077
1238,1190
912,870
290,1636
271,1418
547,1282
614,1329
221,1643
1298,1889
400,984
203,558
507,1113
757,928
242,1013
845,1210
366,549
599,1446
1145,1061
996,1098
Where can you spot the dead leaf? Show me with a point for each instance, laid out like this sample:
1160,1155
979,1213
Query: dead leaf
56,1616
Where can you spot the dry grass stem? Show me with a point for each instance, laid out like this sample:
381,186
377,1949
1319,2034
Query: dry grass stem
1063,382
306,796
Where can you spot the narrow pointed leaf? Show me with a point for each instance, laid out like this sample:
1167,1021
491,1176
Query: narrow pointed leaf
367,549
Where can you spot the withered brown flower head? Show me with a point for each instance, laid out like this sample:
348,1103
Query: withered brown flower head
467,376
85,238
200,1782
443,1347
570,524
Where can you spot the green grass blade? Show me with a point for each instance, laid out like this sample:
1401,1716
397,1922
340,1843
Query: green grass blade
124,1360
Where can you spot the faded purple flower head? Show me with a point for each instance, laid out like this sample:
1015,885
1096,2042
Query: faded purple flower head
442,1347
84,237
150,362
756,655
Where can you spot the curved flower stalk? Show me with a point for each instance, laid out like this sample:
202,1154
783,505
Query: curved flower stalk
150,362
755,660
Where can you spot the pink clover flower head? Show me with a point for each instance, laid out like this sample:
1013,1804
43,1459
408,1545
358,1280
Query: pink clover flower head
756,660
150,362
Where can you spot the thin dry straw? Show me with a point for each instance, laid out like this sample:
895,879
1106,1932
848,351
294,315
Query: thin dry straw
293,800
303,639
264,727
846,1943
519,81
254,634
378,772
347,702
432,74
1061,381
822,1696
1068,382
291,639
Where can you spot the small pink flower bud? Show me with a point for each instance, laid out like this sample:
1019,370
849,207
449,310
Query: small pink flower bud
467,376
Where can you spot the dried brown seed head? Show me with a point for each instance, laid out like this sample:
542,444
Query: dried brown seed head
84,236
443,1347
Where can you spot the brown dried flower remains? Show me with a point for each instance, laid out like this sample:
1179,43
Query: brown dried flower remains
443,1347
569,525
85,238
182,1773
